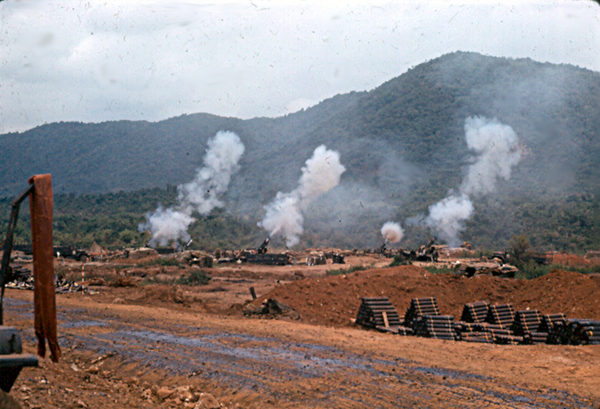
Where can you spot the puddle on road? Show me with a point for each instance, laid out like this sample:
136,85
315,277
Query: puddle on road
13,302
240,360
83,324
450,374
239,364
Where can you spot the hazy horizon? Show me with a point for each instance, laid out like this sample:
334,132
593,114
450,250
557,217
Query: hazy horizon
143,60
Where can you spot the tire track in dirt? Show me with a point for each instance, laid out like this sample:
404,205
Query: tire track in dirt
298,374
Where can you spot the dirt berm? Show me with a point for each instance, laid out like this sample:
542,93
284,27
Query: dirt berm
334,300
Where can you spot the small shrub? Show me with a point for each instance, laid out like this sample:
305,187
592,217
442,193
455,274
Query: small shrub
400,261
533,270
438,270
162,261
520,251
196,277
349,270
485,253
121,281
156,280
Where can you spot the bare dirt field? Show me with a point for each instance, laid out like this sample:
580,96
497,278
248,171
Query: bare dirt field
163,345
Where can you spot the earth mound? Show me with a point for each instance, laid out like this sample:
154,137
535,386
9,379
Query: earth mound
572,260
335,300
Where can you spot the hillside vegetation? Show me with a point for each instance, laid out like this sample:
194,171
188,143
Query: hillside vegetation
111,220
402,145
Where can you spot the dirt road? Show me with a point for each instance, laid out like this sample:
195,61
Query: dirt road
268,363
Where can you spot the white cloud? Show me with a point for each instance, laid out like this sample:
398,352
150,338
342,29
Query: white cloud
298,104
152,60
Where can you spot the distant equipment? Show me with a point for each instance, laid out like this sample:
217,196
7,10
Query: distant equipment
383,248
262,249
338,259
502,256
268,259
71,252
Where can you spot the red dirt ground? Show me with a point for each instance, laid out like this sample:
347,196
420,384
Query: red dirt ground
214,312
572,260
335,300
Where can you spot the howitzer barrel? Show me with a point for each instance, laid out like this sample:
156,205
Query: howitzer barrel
263,247
383,246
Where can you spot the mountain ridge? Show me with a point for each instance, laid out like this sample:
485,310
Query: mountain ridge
402,144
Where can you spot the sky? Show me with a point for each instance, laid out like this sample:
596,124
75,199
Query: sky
149,60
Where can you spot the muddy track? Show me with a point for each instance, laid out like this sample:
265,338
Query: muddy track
293,373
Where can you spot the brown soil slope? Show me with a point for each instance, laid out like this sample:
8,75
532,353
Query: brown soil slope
566,259
334,300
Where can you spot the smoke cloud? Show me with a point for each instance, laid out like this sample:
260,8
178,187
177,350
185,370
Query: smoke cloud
321,173
221,161
447,217
496,151
392,232
166,225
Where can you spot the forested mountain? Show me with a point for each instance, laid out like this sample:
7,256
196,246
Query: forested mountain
402,144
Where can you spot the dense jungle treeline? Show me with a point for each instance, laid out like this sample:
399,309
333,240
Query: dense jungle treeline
112,219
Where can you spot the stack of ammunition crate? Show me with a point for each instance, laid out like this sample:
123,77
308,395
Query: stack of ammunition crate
574,331
508,339
379,313
468,328
501,314
558,334
582,331
462,327
477,336
435,326
475,311
475,332
418,308
495,330
536,337
553,324
548,321
591,334
480,322
527,324
501,317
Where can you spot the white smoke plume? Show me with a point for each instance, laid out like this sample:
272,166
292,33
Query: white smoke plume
497,152
283,216
167,225
447,217
392,232
221,161
321,173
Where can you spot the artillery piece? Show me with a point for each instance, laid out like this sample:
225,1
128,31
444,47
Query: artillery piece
262,249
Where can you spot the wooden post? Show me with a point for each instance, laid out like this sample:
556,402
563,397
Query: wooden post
253,293
41,204
385,319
